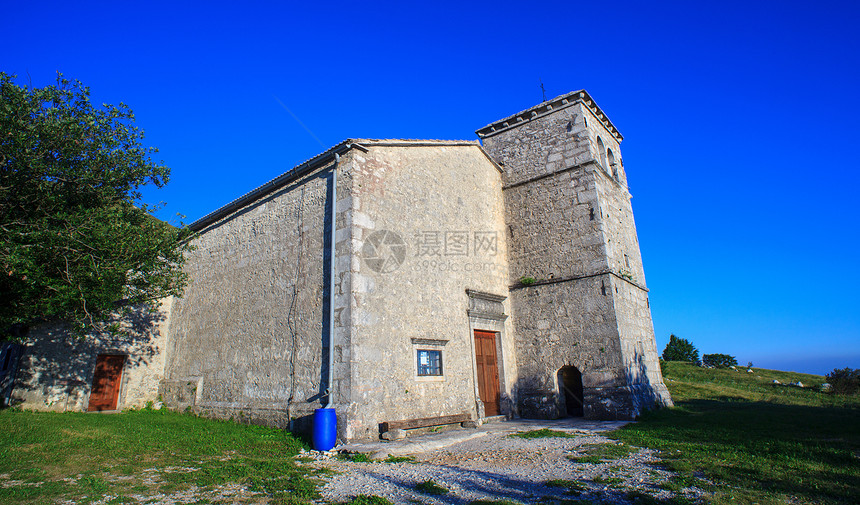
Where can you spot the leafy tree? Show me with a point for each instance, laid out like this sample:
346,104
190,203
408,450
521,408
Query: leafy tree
76,242
844,381
680,349
719,360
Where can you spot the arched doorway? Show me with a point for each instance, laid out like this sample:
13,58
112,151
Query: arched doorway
570,388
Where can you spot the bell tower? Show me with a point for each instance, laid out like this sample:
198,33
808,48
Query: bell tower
579,298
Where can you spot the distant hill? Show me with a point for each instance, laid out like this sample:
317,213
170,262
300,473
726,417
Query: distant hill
688,382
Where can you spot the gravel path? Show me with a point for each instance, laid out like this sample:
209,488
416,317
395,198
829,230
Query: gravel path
500,467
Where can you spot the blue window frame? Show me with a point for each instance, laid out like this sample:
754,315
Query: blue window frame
429,362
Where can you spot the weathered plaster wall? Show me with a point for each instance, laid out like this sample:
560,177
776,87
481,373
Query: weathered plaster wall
56,369
420,196
571,228
247,335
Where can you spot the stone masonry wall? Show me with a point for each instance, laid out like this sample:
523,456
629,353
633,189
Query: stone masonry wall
630,294
541,146
632,307
436,208
571,228
638,347
56,369
247,335
568,324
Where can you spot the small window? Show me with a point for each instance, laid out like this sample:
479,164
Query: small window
601,152
429,363
613,164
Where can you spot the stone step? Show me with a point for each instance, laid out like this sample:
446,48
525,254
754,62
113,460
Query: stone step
493,419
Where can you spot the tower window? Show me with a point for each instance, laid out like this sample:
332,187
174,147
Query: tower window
601,149
613,166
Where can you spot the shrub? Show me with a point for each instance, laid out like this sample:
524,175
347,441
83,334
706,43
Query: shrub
680,349
844,381
719,360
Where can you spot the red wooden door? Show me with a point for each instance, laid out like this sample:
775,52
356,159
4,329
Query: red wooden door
106,380
488,371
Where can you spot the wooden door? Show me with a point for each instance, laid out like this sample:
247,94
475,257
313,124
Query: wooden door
488,371
106,381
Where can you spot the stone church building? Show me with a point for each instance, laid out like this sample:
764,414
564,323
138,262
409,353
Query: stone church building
397,280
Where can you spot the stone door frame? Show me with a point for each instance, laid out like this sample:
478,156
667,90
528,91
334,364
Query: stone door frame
486,313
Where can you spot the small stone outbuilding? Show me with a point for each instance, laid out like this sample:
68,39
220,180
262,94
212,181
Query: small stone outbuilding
402,279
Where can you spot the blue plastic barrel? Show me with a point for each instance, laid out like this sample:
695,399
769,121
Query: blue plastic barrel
325,429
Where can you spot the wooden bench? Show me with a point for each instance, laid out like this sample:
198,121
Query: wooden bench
423,422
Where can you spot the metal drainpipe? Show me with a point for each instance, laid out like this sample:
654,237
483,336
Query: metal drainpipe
332,283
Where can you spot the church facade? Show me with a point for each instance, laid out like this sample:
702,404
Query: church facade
404,279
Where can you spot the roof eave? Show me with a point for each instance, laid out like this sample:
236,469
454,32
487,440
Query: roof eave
294,173
548,107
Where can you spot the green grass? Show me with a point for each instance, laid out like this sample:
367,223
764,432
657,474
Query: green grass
640,498
359,457
587,458
601,453
572,486
757,442
430,487
682,481
399,459
612,481
356,457
84,457
543,433
364,499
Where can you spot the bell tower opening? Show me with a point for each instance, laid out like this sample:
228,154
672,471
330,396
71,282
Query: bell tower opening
570,388
601,153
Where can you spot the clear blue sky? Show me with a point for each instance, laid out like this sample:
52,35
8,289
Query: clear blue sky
740,122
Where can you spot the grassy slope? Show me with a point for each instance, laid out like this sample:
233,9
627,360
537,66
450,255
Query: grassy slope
83,457
759,443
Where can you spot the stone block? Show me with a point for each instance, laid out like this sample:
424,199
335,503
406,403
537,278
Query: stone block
395,434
